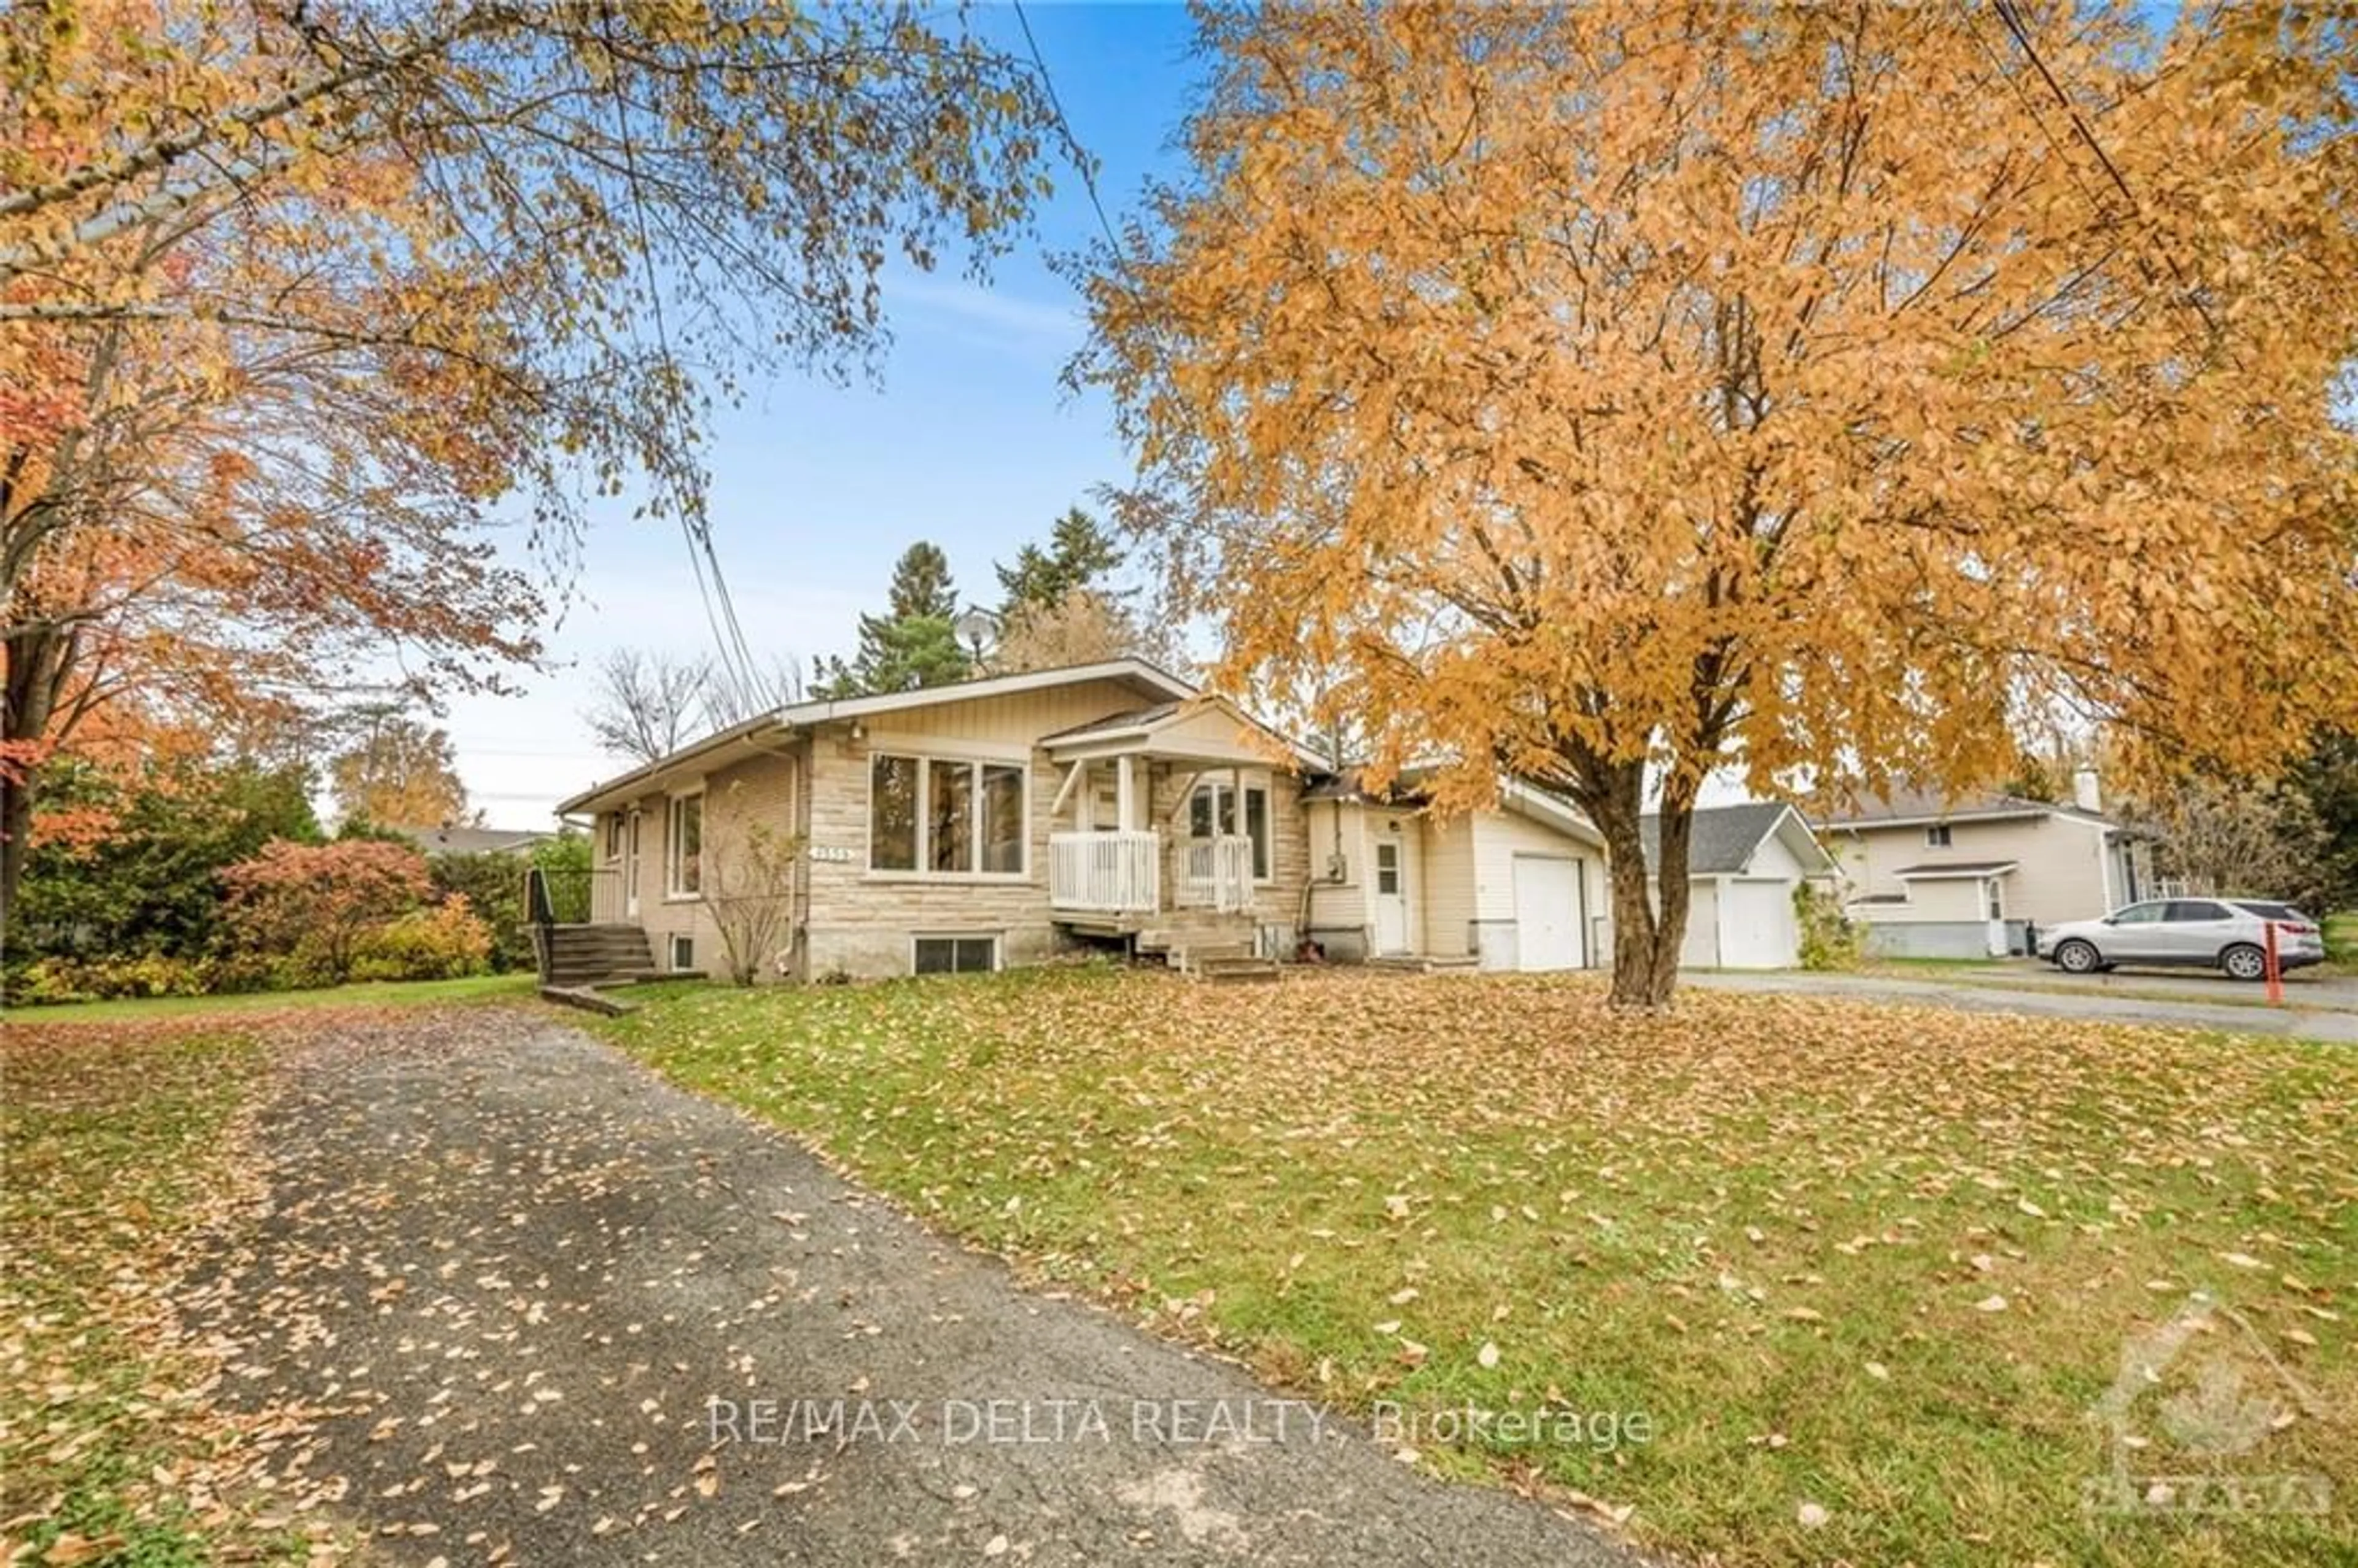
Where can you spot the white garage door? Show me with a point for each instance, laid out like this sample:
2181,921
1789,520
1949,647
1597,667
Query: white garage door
1547,912
1758,930
1699,948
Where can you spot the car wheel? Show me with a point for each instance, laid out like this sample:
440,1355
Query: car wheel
2245,962
2076,957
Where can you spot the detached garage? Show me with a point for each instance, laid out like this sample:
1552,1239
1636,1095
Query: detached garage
1744,865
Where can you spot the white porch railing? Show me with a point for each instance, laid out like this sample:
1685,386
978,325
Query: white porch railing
1217,873
1116,872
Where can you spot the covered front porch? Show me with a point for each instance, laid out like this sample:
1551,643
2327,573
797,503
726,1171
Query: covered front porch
1158,812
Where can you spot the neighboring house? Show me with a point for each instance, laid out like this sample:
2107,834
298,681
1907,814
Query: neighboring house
1965,878
475,840
1745,865
999,821
1519,887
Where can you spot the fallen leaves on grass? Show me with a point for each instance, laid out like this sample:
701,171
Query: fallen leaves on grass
1712,1214
124,1145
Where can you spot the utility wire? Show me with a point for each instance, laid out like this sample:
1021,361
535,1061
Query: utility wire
1064,123
737,662
2007,13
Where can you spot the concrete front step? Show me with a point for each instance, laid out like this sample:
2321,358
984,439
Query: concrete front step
1232,971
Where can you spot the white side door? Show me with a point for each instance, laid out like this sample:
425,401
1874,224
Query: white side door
1547,912
2197,928
630,868
1391,911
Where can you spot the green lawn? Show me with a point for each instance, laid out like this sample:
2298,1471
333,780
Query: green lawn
2341,940
367,993
1873,1261
118,1146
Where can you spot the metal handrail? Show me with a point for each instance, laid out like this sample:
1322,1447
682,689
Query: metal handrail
565,896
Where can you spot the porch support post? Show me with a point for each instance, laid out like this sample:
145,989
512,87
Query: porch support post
1241,825
1073,771
1125,816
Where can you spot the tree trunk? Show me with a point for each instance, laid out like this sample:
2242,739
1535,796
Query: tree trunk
1646,930
16,824
37,665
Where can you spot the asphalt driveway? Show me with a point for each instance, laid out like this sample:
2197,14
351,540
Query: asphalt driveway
529,1303
2039,998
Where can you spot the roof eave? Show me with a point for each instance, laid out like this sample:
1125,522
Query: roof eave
646,774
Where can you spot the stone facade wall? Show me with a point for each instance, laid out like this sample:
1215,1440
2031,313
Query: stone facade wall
863,923
764,790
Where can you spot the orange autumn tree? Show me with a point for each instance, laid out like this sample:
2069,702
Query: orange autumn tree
398,772
306,306
1615,394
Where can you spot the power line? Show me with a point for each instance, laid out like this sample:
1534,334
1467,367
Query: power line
727,634
2014,24
1064,123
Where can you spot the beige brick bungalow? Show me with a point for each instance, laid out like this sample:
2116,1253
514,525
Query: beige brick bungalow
1002,820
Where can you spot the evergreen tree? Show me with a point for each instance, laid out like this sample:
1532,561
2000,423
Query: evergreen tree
2328,780
1080,555
134,865
915,643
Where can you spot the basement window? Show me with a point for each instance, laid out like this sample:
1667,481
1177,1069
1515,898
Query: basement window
682,952
955,955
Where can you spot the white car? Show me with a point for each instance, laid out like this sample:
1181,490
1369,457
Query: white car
2227,934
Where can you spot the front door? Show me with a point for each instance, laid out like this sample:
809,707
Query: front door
630,868
1392,899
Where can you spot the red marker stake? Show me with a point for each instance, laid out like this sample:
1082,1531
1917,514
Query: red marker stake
2276,976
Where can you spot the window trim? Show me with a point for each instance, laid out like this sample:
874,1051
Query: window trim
1251,783
922,871
1937,836
997,951
673,892
672,940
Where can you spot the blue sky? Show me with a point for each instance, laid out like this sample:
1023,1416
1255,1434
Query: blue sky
970,441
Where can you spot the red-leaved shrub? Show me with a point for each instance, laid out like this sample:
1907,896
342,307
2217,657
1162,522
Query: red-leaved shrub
309,905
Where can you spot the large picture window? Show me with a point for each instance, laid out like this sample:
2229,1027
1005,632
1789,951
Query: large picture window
683,847
945,816
1212,813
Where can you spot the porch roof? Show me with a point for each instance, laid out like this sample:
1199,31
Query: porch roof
1935,870
1208,730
